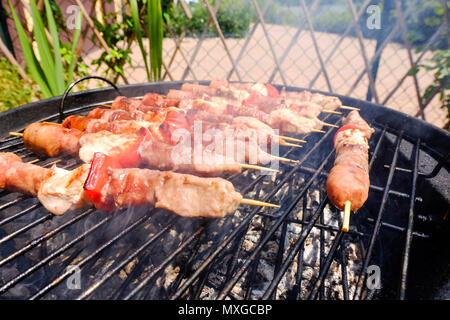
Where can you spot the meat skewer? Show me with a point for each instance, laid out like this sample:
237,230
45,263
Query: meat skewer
132,150
251,127
348,182
210,110
61,190
330,102
287,119
91,125
263,94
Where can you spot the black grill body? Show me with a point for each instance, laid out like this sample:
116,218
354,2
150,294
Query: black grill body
295,252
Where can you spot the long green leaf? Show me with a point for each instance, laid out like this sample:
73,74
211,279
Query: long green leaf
155,36
30,58
73,56
47,63
137,31
59,74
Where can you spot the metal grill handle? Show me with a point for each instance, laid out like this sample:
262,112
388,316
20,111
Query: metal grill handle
69,88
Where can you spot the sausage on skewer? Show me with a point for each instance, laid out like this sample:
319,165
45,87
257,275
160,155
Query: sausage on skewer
348,182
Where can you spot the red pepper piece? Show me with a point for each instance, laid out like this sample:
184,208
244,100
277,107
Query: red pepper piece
272,91
97,180
251,100
130,157
346,127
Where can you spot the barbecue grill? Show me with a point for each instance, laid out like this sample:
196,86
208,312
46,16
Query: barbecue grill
396,246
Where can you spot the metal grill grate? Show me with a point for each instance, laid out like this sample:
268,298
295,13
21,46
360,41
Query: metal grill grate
295,252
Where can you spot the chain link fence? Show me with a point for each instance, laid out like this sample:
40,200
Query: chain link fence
355,48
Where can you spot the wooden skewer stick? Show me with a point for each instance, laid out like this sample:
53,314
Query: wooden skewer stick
16,134
34,161
330,125
287,144
258,203
346,222
319,131
291,139
349,108
251,166
284,159
331,111
105,105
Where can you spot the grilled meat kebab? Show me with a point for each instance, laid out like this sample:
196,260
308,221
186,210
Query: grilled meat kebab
133,149
62,190
349,178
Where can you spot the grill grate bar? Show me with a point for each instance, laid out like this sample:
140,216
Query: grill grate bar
19,214
321,252
398,228
297,246
329,227
169,259
272,230
345,289
254,267
13,202
46,236
25,228
53,255
409,233
237,247
90,257
324,271
376,229
197,291
12,145
185,268
136,252
298,285
377,147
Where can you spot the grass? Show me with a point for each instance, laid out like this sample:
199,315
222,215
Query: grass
14,91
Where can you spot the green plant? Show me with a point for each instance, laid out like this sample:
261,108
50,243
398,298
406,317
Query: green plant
51,72
14,91
234,18
333,22
440,65
428,16
114,33
155,36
